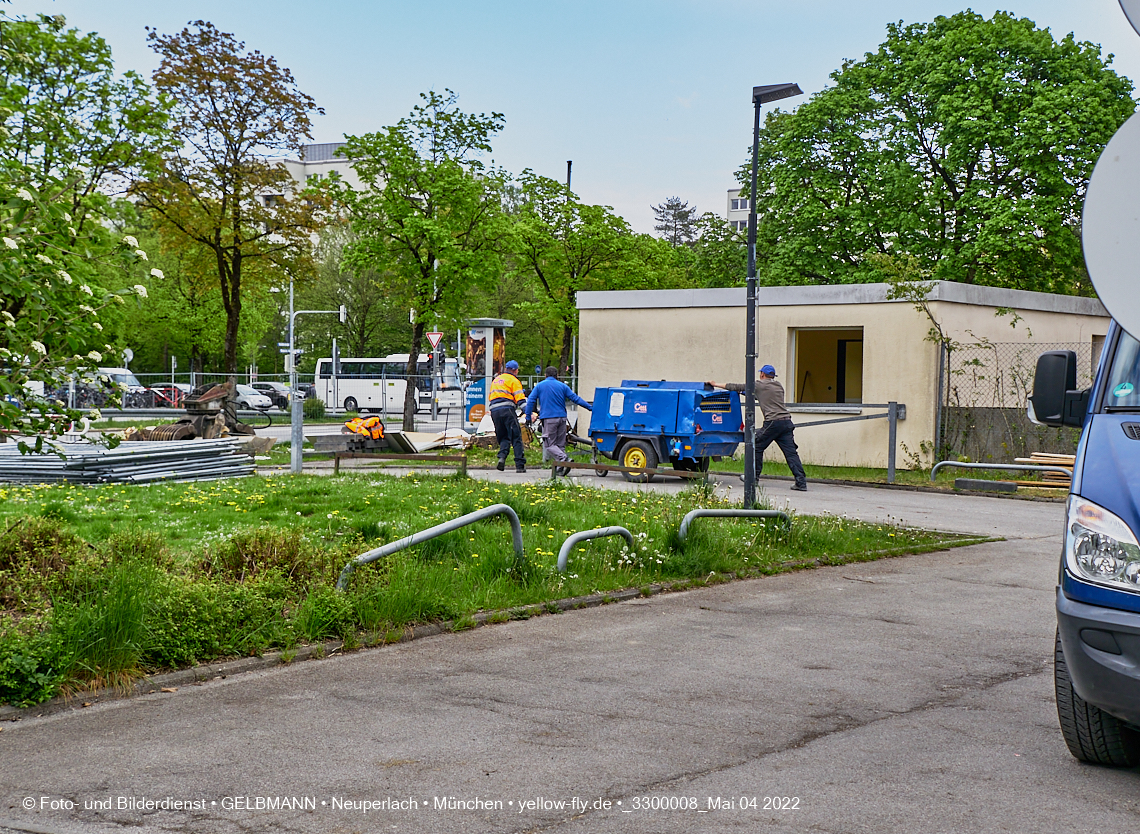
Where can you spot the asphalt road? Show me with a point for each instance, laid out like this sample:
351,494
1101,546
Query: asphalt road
909,695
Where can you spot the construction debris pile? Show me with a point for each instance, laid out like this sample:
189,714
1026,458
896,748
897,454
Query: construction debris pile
128,463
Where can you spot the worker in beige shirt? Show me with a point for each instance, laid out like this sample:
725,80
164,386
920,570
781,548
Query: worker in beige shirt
778,427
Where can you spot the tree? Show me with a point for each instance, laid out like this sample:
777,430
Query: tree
719,255
965,143
71,131
429,221
231,109
567,246
676,221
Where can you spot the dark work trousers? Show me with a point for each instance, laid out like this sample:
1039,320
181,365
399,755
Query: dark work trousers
554,438
508,433
779,432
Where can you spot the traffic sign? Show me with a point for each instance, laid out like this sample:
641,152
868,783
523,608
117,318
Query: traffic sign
434,339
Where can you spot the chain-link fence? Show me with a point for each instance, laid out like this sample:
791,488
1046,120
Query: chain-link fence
985,391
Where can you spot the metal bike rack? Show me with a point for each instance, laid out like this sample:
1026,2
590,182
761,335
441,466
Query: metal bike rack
574,538
1011,466
434,532
695,514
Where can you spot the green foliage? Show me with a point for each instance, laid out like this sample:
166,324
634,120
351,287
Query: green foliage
963,143
325,614
428,222
207,196
70,131
34,554
29,667
313,409
102,632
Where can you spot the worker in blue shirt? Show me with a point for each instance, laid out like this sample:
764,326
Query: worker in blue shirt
550,396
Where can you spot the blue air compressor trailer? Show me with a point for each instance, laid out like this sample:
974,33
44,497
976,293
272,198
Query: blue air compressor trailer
645,423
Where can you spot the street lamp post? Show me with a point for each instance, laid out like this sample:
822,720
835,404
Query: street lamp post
760,95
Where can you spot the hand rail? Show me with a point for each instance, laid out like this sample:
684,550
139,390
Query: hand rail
574,538
683,531
434,532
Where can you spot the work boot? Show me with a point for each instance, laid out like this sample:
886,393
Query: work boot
501,465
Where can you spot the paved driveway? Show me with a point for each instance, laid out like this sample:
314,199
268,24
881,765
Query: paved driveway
905,695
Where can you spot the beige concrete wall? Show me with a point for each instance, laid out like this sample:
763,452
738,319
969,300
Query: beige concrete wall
898,365
899,362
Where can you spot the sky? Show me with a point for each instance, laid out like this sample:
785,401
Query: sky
650,98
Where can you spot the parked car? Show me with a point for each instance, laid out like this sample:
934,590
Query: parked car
276,391
248,397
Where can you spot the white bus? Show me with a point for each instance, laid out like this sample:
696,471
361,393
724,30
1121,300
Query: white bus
379,384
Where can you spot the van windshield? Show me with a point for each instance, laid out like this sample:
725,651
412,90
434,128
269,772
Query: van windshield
1123,389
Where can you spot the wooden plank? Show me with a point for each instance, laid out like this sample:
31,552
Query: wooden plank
459,460
603,467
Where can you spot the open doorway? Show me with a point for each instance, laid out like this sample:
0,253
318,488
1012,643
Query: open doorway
829,366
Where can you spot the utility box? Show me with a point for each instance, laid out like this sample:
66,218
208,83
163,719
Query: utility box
644,423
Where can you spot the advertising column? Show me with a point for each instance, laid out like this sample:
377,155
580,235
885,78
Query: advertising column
485,355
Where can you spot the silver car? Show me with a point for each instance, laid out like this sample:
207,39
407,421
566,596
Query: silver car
249,397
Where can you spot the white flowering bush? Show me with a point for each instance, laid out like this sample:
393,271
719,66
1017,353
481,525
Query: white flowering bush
71,133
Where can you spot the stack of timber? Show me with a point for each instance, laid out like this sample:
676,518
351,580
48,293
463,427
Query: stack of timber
1049,480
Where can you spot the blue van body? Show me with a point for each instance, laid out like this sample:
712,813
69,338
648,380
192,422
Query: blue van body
1097,668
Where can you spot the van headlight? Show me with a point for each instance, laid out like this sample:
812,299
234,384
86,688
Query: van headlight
1100,548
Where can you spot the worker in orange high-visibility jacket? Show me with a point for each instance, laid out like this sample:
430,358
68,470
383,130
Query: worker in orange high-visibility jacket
505,396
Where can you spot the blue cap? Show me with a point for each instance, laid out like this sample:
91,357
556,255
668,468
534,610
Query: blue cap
512,365
768,370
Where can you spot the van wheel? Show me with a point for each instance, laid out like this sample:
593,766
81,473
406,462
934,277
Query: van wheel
638,453
350,404
1091,734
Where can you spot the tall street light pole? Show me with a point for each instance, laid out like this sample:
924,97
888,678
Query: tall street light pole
760,95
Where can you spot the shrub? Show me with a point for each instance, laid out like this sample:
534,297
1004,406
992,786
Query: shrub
29,667
35,554
313,409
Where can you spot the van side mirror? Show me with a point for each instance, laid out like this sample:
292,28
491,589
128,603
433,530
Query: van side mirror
1054,401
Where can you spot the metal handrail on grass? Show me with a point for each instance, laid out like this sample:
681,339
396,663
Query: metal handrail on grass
683,531
584,535
1012,466
433,532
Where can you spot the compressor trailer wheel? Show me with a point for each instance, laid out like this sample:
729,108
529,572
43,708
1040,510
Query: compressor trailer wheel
638,454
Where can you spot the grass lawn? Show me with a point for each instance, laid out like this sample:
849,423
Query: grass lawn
102,584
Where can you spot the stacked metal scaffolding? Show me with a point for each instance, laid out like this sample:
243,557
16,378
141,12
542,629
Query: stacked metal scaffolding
128,463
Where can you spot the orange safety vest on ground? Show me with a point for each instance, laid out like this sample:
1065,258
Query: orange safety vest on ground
371,427
506,387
